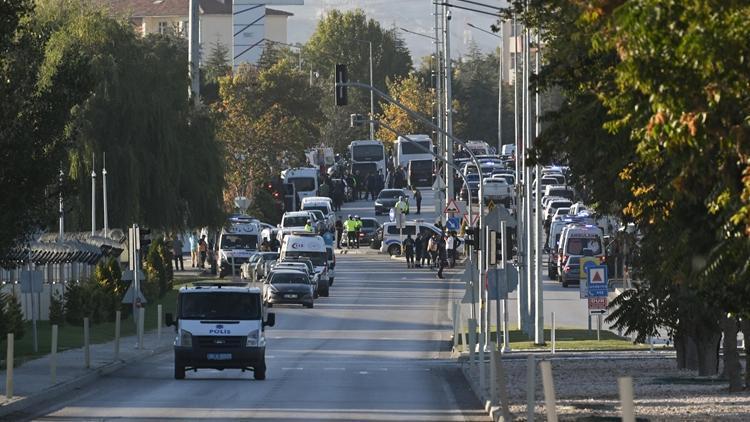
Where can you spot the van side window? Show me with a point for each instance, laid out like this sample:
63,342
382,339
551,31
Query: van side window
393,230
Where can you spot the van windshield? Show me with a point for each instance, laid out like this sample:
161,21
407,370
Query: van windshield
219,306
302,184
563,193
289,278
295,221
239,241
318,259
320,208
576,245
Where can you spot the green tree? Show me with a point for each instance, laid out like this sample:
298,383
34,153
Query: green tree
412,93
268,118
56,309
14,316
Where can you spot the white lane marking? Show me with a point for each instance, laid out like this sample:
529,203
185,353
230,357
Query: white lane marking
363,372
291,369
379,369
334,369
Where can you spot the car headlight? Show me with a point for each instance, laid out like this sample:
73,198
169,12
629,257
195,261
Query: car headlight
253,338
378,203
185,338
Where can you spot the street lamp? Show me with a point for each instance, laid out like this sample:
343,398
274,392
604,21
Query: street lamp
499,87
372,96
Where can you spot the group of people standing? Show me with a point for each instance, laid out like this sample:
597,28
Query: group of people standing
352,226
435,251
199,248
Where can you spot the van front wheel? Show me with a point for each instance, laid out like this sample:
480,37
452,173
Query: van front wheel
179,370
394,250
260,371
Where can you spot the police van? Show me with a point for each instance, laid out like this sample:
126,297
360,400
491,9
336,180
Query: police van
220,326
391,243
238,241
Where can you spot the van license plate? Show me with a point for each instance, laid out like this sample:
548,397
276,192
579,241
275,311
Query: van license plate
291,296
219,356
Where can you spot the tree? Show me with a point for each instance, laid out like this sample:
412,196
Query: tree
340,37
216,65
267,120
135,109
412,93
14,316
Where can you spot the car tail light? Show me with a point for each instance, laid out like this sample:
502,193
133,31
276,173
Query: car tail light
603,259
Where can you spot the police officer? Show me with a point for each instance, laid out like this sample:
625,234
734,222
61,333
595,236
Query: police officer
357,229
401,205
351,231
308,226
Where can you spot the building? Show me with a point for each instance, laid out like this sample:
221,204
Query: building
243,28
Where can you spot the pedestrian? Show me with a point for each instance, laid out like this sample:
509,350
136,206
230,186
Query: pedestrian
339,226
426,251
452,244
419,249
432,247
418,199
265,246
274,243
193,239
372,185
441,257
358,182
308,226
338,195
351,231
179,265
381,182
357,229
203,251
409,251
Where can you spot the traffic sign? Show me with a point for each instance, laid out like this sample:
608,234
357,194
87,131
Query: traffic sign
452,208
490,206
586,262
128,298
392,214
127,275
497,277
453,223
471,292
598,285
598,305
439,184
473,221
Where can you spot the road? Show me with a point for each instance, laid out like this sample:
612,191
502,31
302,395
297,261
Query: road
377,349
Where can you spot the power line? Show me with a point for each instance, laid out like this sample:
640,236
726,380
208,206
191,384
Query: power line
496,14
481,4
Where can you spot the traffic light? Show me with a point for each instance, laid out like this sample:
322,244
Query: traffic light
342,96
472,238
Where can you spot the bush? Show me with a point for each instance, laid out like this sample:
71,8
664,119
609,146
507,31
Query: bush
159,272
56,309
14,316
97,298
3,318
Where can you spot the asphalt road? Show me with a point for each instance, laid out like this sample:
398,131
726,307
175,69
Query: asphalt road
377,349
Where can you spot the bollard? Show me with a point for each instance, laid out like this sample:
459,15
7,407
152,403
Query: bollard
625,385
53,356
158,322
455,327
549,390
502,387
118,315
141,318
494,357
650,344
598,326
553,333
86,351
9,368
530,387
472,341
482,366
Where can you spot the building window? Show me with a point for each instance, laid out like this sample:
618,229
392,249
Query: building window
163,27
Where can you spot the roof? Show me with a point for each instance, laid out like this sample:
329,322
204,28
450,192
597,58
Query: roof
142,8
219,288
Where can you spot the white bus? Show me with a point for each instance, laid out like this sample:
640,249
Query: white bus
407,151
367,157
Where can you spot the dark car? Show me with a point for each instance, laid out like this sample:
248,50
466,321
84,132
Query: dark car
387,199
474,186
288,286
369,227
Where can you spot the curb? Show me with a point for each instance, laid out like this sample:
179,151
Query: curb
81,381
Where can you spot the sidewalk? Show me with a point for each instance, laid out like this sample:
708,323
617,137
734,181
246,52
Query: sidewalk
32,382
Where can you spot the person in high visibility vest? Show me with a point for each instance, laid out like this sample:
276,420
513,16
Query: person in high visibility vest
350,226
357,229
308,226
402,205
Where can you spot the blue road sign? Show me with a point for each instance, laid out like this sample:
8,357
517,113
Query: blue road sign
598,283
453,223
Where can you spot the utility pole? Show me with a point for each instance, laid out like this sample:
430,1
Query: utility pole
450,190
372,98
104,194
93,196
194,51
440,140
61,211
520,182
539,283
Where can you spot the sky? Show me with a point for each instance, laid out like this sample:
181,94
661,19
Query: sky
415,15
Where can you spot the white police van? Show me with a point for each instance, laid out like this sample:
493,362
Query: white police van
238,241
310,246
220,326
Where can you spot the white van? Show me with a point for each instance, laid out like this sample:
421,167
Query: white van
304,179
313,247
478,147
220,326
293,221
323,204
577,240
391,243
237,243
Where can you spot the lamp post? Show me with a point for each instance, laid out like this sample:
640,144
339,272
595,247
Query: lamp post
372,96
499,85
